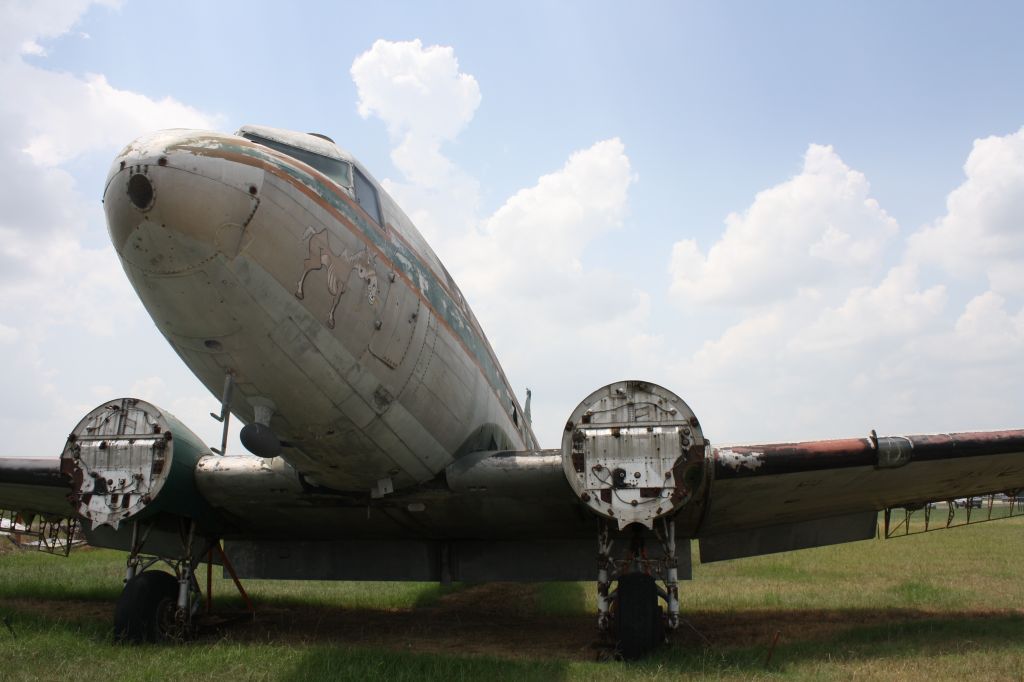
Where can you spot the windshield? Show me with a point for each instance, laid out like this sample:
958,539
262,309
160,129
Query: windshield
335,169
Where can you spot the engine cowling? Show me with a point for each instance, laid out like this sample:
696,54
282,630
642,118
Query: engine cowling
634,451
129,460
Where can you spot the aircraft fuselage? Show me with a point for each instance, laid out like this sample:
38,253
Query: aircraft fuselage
318,295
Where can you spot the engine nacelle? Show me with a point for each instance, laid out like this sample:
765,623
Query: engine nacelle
128,460
633,452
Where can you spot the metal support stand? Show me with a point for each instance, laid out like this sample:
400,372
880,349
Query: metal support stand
234,578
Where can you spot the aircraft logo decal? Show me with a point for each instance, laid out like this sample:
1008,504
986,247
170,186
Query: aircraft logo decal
339,268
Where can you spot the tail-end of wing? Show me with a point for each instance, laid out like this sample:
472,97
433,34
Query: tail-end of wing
778,497
34,486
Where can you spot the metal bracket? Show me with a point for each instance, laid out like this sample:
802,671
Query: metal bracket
225,411
893,451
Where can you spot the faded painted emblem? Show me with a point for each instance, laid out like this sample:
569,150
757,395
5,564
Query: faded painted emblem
339,269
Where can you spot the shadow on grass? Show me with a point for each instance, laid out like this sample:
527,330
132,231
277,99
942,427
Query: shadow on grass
322,663
506,631
739,642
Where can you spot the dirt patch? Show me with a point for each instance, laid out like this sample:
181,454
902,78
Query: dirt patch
61,610
501,620
495,619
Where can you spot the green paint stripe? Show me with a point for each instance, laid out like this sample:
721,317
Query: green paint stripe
401,258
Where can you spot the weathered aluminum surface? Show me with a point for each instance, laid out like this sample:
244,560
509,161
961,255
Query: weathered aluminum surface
166,538
127,459
785,537
761,485
523,474
253,263
887,452
308,141
34,485
633,451
269,499
424,560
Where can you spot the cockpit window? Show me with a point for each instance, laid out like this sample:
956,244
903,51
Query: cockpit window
366,197
335,169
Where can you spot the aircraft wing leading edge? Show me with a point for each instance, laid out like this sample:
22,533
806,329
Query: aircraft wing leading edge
34,485
777,497
752,489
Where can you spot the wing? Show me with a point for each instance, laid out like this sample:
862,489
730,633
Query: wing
34,485
770,498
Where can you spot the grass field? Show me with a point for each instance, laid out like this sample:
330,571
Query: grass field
933,607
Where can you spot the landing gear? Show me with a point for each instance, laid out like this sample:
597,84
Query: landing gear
147,609
639,627
157,606
631,614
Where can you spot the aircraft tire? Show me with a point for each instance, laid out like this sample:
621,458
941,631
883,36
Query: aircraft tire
638,622
146,608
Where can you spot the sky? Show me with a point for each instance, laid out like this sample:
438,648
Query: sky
806,219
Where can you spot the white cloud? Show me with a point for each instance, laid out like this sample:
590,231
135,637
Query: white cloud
74,115
415,89
989,332
896,308
810,322
534,242
425,101
69,314
819,228
551,315
834,351
813,319
523,267
23,23
982,231
8,334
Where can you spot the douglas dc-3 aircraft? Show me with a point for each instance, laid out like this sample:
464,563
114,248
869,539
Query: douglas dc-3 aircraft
385,441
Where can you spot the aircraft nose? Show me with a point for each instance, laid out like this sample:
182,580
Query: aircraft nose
175,199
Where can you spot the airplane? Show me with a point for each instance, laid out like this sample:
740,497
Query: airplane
384,440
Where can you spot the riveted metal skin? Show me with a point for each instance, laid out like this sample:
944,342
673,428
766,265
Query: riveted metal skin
633,451
129,460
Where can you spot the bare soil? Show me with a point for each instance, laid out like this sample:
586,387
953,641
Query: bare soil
494,619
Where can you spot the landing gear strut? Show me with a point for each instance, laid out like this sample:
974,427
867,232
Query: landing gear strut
631,614
157,606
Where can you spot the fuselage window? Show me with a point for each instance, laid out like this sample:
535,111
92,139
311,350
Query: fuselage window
366,196
335,169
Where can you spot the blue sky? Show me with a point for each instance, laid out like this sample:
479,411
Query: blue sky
733,89
794,118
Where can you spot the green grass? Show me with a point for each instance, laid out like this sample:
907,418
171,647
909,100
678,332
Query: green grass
932,607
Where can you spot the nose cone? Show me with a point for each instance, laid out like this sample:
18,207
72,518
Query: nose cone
176,198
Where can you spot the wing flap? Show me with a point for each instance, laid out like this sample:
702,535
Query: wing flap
789,536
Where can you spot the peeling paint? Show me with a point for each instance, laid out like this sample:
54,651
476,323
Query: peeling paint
738,461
